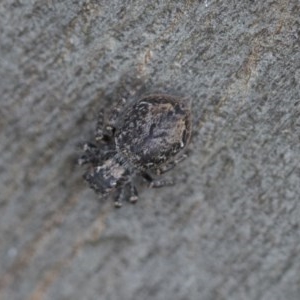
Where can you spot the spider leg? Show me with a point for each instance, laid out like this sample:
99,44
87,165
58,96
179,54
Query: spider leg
120,197
84,159
99,126
93,154
88,147
157,183
122,194
106,132
110,127
133,193
171,164
90,153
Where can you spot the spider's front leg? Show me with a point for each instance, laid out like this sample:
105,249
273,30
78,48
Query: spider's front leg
122,193
106,132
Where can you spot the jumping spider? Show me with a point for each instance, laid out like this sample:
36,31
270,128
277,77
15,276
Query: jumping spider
144,138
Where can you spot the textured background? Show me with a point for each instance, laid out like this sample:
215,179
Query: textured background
230,230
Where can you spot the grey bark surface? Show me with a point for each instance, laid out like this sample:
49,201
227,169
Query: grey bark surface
230,228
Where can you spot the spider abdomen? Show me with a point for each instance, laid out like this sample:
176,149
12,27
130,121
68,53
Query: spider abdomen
154,130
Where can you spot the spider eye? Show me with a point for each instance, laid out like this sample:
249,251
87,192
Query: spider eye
106,138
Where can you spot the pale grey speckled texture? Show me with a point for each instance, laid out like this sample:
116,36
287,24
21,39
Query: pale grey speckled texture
231,230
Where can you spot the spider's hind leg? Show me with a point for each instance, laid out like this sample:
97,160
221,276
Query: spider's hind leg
171,164
104,132
111,125
157,183
91,152
99,135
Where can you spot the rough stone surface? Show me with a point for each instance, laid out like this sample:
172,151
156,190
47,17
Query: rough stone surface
230,229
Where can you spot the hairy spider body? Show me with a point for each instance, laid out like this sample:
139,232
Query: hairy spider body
146,137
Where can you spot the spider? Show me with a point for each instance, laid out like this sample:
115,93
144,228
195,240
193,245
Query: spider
145,138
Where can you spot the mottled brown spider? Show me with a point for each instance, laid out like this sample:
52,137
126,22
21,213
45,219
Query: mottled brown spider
144,138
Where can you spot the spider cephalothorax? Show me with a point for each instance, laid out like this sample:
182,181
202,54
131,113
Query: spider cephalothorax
141,139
